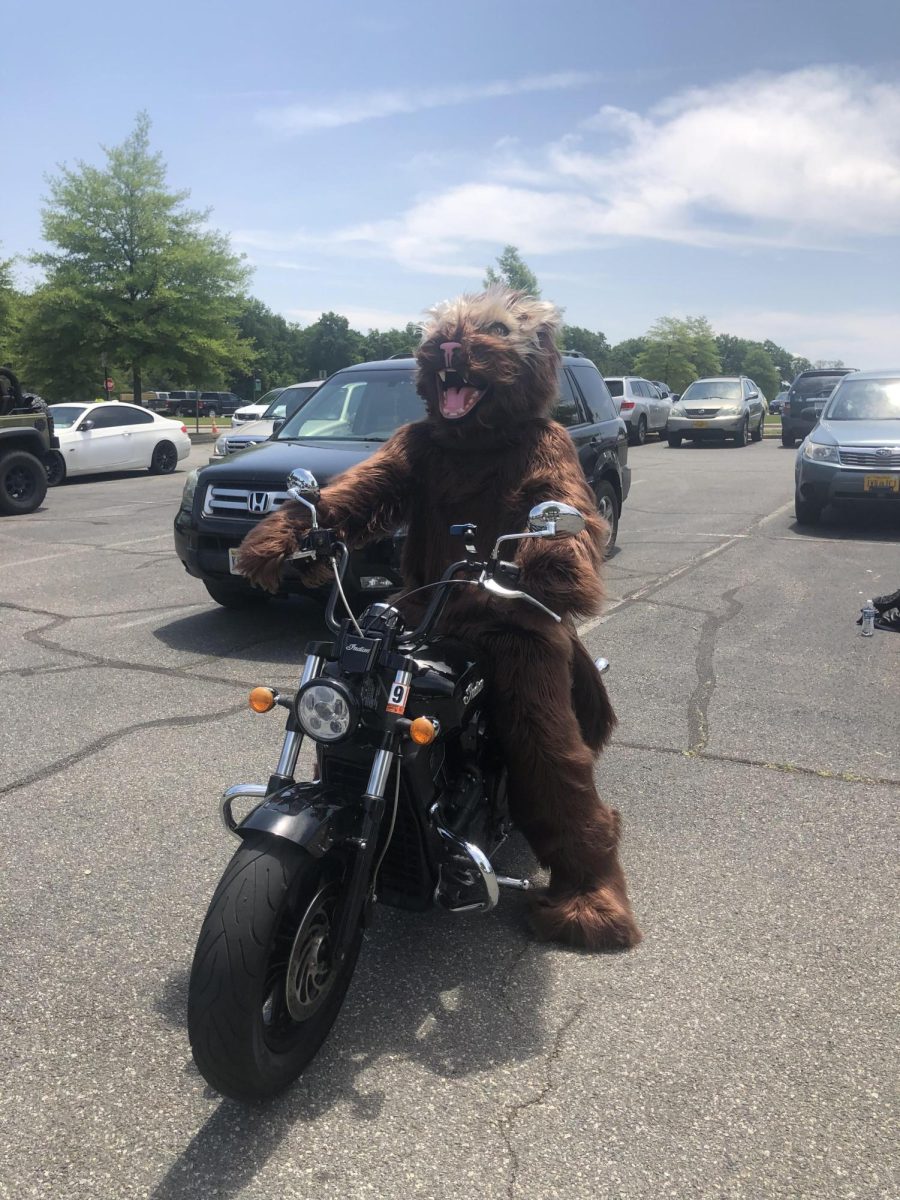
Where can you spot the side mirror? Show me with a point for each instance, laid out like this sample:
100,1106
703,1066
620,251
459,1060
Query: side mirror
676,396
303,487
276,425
554,519
85,426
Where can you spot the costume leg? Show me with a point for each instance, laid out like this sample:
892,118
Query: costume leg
552,793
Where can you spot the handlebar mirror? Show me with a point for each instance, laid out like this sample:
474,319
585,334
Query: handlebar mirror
303,485
555,519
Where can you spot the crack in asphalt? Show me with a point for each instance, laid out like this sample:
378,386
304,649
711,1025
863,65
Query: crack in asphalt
698,702
514,1112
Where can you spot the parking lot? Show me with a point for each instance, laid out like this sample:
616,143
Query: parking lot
745,1049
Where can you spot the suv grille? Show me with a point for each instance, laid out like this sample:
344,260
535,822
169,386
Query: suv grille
239,443
871,458
239,502
701,412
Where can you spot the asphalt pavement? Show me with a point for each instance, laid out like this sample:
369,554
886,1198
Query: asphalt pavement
746,1049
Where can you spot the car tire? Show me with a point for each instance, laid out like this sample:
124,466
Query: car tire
211,412
164,459
639,435
23,483
743,435
674,440
233,595
608,508
55,466
759,432
788,440
807,512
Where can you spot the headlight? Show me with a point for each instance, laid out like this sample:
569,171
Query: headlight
677,410
190,486
730,410
326,711
818,452
220,444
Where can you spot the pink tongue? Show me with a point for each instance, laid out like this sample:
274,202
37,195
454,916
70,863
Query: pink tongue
454,401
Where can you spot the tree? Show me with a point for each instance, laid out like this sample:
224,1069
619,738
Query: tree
623,355
593,345
134,279
10,309
678,351
330,344
759,366
513,273
278,354
384,343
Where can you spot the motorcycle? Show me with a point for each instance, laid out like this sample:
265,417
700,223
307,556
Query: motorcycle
408,808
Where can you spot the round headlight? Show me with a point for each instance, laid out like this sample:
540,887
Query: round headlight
326,711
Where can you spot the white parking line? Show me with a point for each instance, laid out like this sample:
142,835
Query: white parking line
23,562
157,616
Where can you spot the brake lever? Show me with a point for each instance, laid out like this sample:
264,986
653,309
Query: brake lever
497,589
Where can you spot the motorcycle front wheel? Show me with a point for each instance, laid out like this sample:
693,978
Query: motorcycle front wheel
263,991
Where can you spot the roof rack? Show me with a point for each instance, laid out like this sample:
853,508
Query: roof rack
574,354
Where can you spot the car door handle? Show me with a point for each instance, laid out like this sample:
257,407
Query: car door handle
126,433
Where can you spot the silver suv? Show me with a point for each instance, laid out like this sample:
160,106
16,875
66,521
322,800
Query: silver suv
726,406
640,406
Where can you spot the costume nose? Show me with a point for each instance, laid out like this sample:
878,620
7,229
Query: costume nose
448,349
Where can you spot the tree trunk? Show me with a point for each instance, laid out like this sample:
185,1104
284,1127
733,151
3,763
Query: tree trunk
137,391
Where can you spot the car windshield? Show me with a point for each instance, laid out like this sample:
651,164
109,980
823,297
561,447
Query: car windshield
357,406
865,400
713,389
814,387
65,415
289,400
615,386
269,398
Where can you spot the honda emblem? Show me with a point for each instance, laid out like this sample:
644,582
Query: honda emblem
258,502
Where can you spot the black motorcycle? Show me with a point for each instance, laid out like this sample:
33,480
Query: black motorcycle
408,807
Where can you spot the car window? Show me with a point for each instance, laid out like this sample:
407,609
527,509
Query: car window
615,386
713,389
809,387
358,406
568,411
595,391
65,415
865,400
109,416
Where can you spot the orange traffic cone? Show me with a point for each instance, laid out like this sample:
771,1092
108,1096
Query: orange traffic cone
213,429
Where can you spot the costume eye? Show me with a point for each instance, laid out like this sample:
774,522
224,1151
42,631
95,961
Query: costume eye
498,328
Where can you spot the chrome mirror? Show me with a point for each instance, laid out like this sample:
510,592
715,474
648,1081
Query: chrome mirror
552,518
303,486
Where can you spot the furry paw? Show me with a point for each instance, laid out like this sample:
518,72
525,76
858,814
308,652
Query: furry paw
598,919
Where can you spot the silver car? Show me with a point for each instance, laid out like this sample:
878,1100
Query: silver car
726,406
853,454
640,406
287,401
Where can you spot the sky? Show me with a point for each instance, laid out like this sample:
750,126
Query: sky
738,159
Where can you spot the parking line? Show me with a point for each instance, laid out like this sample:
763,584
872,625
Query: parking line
24,562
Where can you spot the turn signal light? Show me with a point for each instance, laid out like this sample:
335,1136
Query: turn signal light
422,731
262,699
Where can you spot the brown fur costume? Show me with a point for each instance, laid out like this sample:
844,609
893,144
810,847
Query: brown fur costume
486,453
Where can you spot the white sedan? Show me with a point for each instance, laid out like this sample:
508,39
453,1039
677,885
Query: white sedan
94,438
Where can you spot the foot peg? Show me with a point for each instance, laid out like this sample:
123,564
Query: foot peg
520,885
602,665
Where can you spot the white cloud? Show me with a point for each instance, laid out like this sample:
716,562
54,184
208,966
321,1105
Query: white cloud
362,319
863,340
353,108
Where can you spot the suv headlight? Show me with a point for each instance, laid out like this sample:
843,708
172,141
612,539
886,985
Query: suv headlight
326,710
190,486
677,410
730,410
818,452
220,447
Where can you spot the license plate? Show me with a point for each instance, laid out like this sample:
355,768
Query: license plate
232,560
699,424
881,483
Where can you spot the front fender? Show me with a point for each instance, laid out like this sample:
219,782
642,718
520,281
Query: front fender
311,815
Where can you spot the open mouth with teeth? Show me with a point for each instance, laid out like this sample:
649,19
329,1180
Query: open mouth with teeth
457,395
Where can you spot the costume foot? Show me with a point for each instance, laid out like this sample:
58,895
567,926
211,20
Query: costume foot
596,920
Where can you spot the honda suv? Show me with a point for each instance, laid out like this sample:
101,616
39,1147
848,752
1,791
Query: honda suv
806,399
344,423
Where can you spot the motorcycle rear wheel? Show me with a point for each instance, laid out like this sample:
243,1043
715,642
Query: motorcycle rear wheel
263,993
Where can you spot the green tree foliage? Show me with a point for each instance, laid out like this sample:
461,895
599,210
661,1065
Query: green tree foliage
134,279
384,343
513,272
593,345
10,310
678,351
758,364
278,350
624,355
330,344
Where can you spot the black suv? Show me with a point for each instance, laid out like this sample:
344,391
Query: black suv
805,400
343,424
202,404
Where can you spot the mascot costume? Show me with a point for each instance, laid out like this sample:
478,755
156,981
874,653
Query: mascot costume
486,452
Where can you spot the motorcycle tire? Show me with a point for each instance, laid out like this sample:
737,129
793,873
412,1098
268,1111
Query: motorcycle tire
262,995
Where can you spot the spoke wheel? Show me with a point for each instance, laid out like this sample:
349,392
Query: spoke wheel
23,482
164,459
608,508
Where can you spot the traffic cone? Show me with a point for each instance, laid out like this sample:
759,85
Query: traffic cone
214,429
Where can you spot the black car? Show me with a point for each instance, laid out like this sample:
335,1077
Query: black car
344,423
806,398
203,404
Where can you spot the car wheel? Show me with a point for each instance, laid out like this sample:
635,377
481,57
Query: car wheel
743,434
662,433
211,412
55,466
23,482
674,440
807,512
608,508
164,460
788,439
233,595
759,431
639,435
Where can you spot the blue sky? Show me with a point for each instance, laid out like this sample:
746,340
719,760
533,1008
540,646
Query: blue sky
740,160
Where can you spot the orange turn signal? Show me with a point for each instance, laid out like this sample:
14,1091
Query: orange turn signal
422,731
262,699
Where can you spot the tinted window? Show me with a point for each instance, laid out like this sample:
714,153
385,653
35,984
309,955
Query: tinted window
615,386
110,415
595,392
567,412
65,415
809,386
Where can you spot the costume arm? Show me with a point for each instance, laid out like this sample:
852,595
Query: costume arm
564,574
366,502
